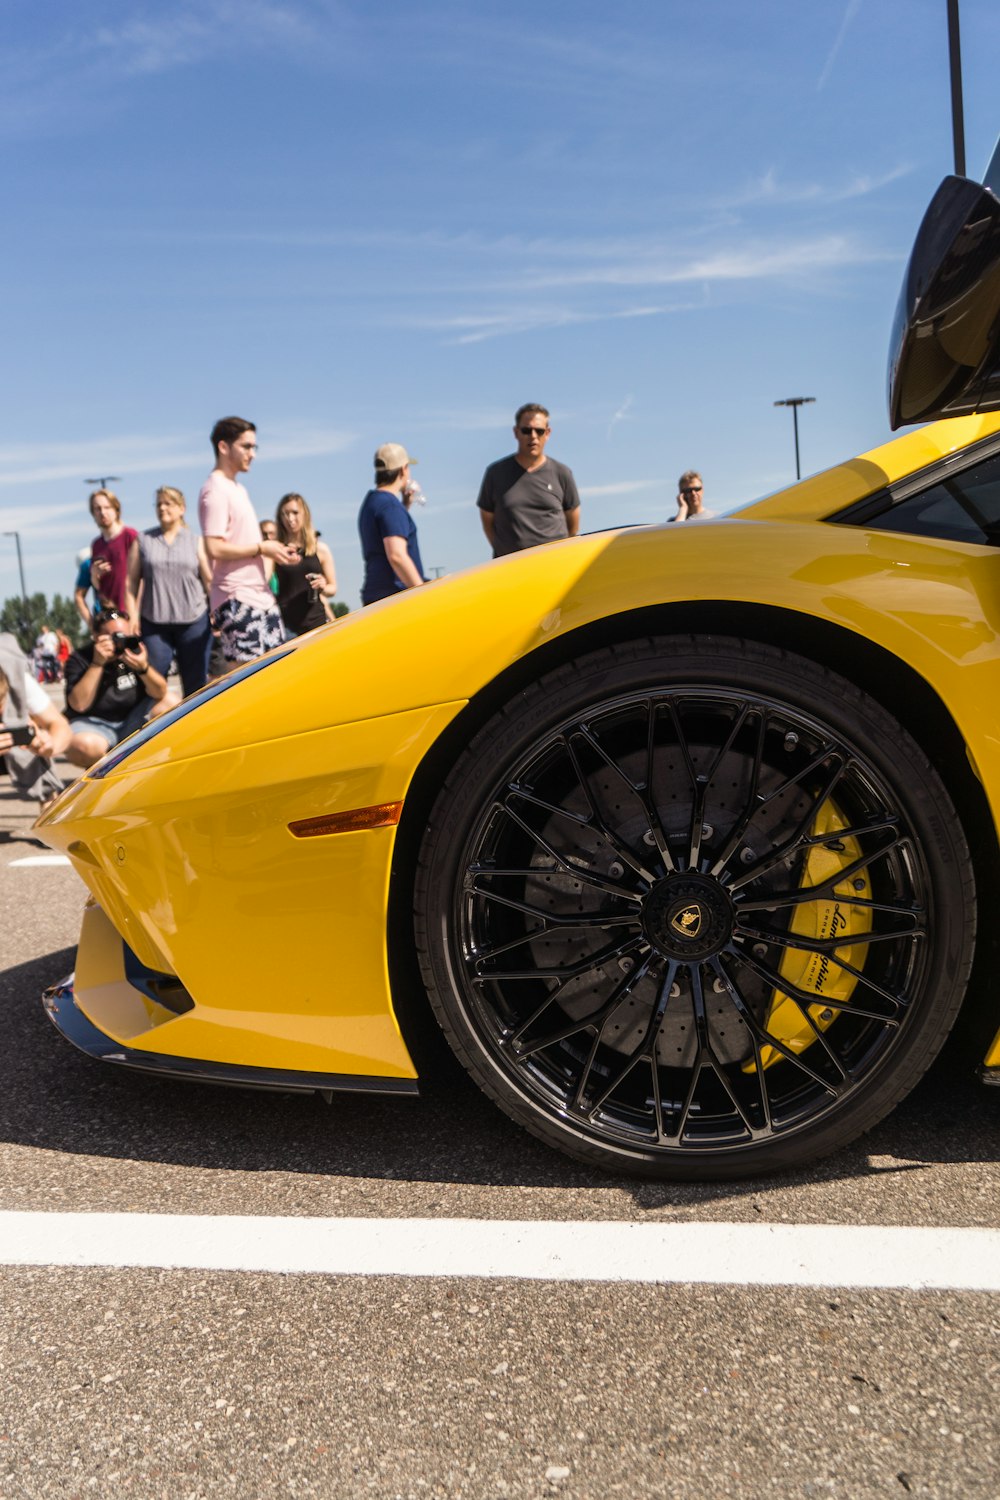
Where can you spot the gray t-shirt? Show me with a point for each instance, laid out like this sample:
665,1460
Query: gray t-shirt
528,507
172,589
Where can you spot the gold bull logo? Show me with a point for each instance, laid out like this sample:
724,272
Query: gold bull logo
687,922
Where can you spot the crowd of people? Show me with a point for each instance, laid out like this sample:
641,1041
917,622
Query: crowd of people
51,653
206,602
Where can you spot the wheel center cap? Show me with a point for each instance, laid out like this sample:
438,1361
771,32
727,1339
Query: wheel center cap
687,917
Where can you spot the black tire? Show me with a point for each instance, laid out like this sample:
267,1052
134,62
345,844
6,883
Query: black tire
636,858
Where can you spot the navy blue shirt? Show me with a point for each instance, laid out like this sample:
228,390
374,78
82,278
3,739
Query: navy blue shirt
384,514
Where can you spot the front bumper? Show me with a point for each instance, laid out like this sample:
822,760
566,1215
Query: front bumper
67,1017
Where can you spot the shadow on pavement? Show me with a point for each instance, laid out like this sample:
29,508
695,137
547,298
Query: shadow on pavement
55,1099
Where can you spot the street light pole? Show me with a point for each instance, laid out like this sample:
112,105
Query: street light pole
20,565
957,111
795,402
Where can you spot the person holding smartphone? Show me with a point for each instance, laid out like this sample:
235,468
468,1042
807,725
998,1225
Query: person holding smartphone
305,584
112,557
111,689
690,498
32,730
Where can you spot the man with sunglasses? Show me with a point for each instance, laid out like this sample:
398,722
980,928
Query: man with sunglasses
527,499
689,498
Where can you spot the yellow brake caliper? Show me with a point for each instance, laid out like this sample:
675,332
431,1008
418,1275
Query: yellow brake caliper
820,974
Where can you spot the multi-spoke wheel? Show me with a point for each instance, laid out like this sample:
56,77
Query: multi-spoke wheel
694,909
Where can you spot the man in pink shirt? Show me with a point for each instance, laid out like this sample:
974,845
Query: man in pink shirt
241,601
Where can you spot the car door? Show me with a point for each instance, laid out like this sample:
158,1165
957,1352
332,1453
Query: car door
944,353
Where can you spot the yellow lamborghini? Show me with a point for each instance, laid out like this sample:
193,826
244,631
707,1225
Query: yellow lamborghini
682,836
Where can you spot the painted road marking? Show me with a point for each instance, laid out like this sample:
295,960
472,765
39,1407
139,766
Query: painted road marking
40,859
819,1255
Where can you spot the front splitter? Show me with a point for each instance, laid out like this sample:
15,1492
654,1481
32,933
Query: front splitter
62,1010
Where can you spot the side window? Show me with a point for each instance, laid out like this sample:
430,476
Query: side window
965,507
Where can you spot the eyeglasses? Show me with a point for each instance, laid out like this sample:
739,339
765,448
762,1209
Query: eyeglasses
690,489
538,431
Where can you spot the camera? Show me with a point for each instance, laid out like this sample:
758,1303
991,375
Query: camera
22,735
125,642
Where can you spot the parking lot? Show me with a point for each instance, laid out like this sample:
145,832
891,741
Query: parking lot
171,1377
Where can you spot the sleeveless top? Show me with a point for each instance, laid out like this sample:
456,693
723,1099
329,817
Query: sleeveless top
172,592
301,608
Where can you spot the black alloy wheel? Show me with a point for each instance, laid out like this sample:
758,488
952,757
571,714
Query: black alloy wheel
694,909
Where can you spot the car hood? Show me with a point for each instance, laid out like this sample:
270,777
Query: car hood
443,643
834,489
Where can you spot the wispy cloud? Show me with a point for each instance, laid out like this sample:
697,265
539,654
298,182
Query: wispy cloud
623,487
42,462
474,420
853,6
619,415
474,328
62,77
41,519
159,455
450,261
749,261
770,191
158,42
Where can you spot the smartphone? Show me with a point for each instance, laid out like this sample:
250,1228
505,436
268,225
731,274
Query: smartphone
23,735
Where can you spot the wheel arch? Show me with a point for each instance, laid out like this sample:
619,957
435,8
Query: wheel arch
895,684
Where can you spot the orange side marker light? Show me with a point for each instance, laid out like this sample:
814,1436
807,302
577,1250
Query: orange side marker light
382,815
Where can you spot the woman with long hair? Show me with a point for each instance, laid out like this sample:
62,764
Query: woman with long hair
305,585
172,568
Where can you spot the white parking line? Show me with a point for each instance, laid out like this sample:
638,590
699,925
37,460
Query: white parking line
819,1255
40,859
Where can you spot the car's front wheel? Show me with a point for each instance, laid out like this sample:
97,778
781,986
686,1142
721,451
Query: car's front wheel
694,908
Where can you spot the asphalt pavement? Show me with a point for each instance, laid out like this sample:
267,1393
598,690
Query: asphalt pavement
204,1383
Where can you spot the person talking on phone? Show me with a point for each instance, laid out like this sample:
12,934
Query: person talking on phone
690,498
111,689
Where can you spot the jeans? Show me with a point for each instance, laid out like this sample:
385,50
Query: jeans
189,644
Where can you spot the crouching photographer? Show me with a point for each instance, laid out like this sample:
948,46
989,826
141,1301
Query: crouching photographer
111,689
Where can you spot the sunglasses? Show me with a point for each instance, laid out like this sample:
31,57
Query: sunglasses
527,431
691,489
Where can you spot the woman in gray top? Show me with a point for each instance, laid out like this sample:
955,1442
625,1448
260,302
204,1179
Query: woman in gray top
172,567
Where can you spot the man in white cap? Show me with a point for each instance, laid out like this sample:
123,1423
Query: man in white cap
388,531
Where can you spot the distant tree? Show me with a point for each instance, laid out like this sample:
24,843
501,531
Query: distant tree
340,609
25,618
63,616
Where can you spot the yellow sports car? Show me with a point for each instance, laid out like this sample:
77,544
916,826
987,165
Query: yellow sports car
680,835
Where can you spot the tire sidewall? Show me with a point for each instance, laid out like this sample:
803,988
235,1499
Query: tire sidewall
667,664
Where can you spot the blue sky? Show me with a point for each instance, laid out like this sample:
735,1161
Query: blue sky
358,223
